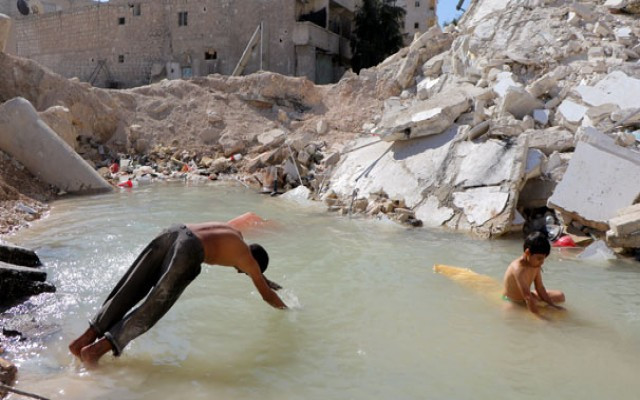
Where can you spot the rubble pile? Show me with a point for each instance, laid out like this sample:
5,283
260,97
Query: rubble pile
20,275
522,106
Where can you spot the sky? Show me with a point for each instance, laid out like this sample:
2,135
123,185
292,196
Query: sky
447,10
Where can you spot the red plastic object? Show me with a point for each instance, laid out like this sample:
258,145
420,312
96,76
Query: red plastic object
126,184
114,168
564,241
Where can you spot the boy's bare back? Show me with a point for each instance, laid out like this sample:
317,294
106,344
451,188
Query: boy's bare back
518,279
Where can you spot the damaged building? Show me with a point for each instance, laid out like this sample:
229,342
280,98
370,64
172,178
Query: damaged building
130,43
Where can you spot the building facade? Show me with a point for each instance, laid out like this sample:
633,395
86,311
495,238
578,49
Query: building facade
125,43
420,16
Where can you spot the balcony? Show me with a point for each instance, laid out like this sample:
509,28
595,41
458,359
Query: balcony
308,34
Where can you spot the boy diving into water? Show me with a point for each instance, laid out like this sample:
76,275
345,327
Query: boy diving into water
161,273
527,269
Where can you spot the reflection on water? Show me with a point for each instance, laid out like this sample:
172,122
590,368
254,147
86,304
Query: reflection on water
372,321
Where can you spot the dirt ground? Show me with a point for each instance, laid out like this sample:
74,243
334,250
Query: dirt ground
23,197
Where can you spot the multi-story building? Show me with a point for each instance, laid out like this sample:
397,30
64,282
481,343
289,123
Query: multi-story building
124,43
420,16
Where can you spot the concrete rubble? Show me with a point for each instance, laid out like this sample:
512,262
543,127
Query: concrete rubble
510,101
473,127
20,275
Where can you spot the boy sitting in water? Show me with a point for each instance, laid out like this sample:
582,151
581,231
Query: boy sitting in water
527,269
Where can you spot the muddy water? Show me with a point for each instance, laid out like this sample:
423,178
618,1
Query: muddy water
370,319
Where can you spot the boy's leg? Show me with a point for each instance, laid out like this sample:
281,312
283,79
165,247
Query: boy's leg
556,296
180,266
131,288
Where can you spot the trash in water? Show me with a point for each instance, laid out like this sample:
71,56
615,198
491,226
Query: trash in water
597,250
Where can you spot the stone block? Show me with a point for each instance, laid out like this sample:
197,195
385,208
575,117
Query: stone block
18,256
29,140
626,224
599,180
272,138
519,103
550,140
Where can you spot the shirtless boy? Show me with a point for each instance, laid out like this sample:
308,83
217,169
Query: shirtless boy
527,269
161,273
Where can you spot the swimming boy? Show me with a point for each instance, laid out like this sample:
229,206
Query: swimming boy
159,276
527,269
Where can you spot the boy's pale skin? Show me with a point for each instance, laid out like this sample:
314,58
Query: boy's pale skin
521,273
223,245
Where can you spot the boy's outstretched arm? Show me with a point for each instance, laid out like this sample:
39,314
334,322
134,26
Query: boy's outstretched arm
542,292
528,297
249,266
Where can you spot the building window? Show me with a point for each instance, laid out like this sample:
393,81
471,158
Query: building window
416,25
417,4
210,55
121,58
136,10
182,18
121,21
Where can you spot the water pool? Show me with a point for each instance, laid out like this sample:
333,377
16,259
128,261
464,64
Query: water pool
372,321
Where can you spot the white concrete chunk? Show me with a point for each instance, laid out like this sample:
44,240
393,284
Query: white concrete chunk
518,102
481,204
616,88
572,111
535,160
29,140
541,116
504,80
598,181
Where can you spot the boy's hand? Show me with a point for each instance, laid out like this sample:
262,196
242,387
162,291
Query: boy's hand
557,307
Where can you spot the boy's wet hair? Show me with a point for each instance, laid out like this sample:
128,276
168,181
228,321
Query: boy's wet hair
537,243
260,255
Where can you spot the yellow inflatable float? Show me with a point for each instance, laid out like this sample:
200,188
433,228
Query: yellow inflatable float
484,285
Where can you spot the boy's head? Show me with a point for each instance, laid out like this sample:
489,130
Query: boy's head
260,255
536,248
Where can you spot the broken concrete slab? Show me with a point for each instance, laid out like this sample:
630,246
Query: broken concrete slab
427,45
424,118
631,241
29,140
481,204
518,102
490,163
571,112
550,140
616,88
432,214
5,27
600,179
625,224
